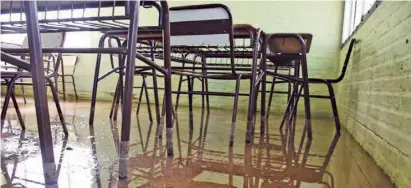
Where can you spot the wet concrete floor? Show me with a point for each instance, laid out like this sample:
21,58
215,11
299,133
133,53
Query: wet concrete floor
88,157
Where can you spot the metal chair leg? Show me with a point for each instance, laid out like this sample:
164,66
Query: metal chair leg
257,92
263,82
270,98
293,113
128,90
207,96
263,108
235,107
252,98
180,82
162,118
119,99
190,101
56,101
40,95
306,88
167,79
16,107
95,81
289,91
140,96
205,82
178,135
6,173
147,100
114,101
63,81
202,93
155,85
289,85
250,113
334,106
156,98
113,104
24,93
7,100
140,134
290,105
74,86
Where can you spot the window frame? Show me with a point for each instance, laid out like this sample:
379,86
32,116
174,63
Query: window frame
364,18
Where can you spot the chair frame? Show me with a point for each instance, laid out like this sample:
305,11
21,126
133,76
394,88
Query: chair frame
233,71
331,95
11,78
63,75
300,84
100,23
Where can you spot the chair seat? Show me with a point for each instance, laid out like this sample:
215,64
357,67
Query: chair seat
283,58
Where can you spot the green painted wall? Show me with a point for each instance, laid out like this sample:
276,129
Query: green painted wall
322,19
375,98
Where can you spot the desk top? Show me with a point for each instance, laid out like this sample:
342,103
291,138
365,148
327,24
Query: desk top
156,33
17,6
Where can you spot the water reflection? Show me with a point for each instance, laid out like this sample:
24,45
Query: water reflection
14,161
270,162
89,156
21,160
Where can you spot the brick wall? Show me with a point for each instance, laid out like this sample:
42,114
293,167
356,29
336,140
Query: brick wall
375,97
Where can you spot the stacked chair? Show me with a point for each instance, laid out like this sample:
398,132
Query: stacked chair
51,63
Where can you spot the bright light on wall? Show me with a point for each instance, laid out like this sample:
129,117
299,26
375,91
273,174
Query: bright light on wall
354,12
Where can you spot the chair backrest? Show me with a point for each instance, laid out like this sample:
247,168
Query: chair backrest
70,63
347,59
7,67
9,45
48,40
201,25
4,65
115,59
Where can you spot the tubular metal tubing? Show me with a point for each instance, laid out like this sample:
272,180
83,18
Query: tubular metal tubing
128,89
40,97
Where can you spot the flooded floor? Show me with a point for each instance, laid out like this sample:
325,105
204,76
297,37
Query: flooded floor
203,158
